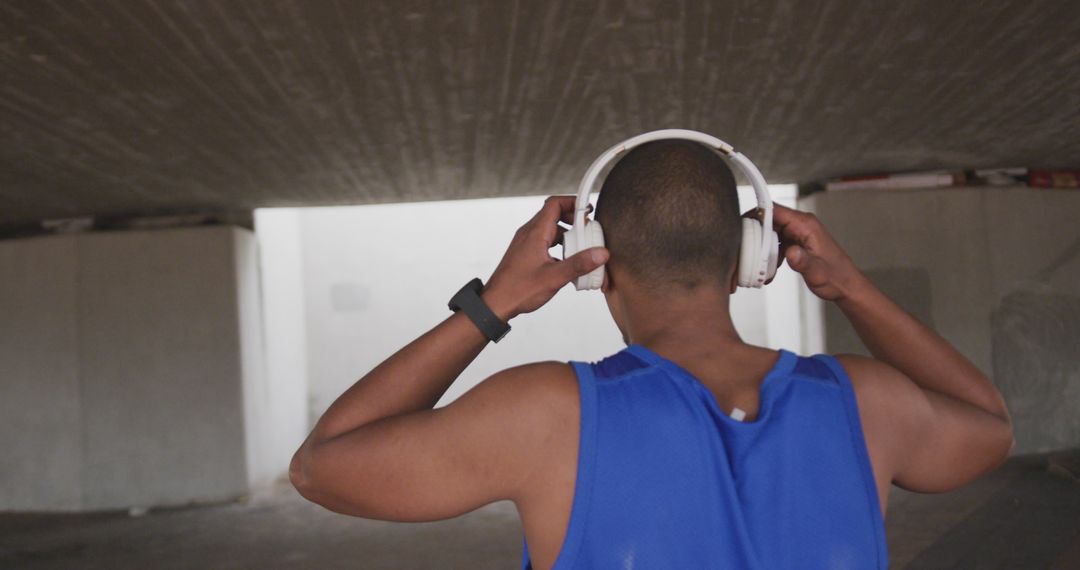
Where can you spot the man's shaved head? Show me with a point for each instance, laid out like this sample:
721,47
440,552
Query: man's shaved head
670,215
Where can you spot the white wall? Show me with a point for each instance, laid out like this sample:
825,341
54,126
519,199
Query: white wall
284,424
376,277
126,360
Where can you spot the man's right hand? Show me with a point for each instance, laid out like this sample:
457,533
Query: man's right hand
813,253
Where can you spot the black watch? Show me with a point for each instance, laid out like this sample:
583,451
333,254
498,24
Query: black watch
468,300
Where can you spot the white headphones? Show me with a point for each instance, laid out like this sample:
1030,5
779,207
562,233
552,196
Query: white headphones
758,255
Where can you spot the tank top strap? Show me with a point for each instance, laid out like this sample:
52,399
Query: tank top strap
583,486
587,447
858,442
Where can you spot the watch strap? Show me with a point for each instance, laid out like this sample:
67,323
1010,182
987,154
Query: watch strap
468,300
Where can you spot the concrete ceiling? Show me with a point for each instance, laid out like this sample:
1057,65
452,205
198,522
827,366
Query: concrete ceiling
124,106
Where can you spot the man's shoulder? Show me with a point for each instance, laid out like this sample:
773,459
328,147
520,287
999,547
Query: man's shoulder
537,406
889,409
889,403
542,386
875,382
543,374
884,394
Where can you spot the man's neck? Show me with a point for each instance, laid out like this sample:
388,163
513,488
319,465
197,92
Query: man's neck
686,323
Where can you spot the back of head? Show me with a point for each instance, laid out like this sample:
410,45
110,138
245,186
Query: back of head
670,214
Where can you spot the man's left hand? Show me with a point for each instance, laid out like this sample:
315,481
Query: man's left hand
528,277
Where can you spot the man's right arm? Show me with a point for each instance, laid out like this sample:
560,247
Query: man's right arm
946,422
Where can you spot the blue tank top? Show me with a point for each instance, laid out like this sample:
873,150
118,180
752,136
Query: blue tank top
666,479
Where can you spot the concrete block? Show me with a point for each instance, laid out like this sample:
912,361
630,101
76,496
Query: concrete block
132,370
40,404
160,368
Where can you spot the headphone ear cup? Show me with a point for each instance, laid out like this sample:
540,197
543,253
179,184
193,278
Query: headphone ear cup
774,255
594,238
749,258
594,234
570,243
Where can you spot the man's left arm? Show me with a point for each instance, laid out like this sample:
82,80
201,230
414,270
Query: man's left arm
381,451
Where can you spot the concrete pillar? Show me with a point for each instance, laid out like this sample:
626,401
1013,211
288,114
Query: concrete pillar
41,422
131,369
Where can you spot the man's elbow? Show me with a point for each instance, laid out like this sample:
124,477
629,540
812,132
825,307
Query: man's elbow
299,470
1005,444
1011,438
1003,436
309,477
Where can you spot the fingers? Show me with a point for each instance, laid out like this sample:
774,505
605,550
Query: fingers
545,222
796,258
559,233
779,213
580,263
550,212
556,208
781,253
782,210
783,217
791,223
564,206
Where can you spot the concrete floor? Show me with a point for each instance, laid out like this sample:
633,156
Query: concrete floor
1025,515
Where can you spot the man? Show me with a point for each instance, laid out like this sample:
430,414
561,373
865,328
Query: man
633,461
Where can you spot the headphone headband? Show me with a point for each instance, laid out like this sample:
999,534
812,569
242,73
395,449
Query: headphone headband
743,164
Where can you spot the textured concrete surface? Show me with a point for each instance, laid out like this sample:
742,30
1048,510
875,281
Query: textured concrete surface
1024,515
156,106
40,406
1021,516
160,368
283,531
995,271
129,370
